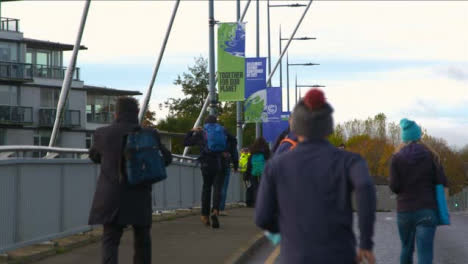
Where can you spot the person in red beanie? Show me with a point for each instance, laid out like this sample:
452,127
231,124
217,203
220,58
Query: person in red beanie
305,194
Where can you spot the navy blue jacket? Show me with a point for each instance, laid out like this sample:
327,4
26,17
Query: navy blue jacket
413,176
305,195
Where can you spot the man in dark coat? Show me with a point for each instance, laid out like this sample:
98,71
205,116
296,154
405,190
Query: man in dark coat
117,204
305,194
213,168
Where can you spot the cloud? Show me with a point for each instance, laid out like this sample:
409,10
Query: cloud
457,73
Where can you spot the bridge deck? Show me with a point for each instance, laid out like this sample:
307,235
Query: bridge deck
183,240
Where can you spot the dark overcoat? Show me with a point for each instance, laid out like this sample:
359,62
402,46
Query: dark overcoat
115,201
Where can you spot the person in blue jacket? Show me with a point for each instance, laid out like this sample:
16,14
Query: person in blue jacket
305,194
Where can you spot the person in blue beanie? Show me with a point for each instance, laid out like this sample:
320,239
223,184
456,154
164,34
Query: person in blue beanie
305,194
414,172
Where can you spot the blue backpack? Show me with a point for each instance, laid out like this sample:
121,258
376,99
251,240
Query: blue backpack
143,160
215,137
258,164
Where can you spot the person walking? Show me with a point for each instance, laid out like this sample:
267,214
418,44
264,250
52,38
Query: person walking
414,172
116,204
214,158
260,153
305,193
233,158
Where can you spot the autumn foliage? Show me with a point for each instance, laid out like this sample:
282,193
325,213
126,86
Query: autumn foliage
376,140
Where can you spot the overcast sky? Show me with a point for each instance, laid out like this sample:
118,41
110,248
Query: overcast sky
402,58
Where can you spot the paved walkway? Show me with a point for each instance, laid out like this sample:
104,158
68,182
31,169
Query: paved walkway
451,243
183,240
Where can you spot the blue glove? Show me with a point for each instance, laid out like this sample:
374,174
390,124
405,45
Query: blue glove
274,238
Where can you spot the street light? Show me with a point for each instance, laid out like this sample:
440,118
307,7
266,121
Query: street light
287,75
268,24
280,50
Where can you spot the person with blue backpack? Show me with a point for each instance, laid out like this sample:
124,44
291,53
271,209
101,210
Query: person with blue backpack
215,157
260,153
416,175
131,158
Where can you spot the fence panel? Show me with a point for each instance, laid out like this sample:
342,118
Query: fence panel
47,199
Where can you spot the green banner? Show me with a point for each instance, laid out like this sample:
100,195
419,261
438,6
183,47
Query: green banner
231,61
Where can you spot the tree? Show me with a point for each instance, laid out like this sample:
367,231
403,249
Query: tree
195,89
464,153
150,119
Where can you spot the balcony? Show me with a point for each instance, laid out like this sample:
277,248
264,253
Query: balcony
71,118
100,118
15,115
51,72
15,71
9,24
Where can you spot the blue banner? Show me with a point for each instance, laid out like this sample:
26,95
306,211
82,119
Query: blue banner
255,93
271,130
274,104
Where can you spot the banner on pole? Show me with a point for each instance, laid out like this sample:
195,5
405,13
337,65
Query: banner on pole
274,104
231,61
271,130
255,93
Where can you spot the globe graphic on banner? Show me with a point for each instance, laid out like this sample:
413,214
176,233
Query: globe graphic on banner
255,105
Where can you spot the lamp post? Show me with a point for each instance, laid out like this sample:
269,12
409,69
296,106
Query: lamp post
287,75
269,32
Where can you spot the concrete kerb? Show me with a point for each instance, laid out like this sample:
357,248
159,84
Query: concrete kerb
41,251
246,251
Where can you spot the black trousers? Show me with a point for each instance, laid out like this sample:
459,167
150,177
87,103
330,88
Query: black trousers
111,241
251,192
213,178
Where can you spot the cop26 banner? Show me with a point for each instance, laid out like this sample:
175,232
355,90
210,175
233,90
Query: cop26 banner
255,93
231,61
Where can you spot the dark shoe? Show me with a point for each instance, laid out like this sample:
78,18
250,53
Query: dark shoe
205,220
214,221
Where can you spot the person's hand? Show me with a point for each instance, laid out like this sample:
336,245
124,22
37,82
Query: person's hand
197,129
364,254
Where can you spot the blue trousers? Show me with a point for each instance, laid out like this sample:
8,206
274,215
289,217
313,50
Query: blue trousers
224,190
420,227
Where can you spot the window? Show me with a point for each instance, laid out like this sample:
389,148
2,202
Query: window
2,136
29,57
49,97
42,58
100,108
8,51
41,138
89,140
8,95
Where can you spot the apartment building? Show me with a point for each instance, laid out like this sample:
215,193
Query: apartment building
31,76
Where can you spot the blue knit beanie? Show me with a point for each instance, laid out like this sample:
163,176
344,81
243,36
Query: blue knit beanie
410,131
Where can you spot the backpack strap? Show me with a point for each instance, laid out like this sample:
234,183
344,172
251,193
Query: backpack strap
290,141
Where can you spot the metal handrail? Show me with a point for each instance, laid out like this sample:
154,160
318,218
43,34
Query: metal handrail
14,148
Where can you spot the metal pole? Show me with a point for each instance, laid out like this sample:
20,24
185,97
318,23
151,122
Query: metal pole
212,89
289,41
68,76
144,105
258,124
198,122
281,62
239,104
245,11
269,40
296,89
287,78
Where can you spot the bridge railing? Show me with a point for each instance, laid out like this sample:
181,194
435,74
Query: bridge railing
44,199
